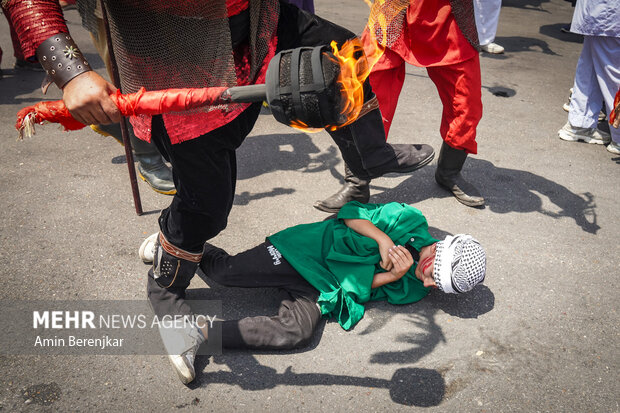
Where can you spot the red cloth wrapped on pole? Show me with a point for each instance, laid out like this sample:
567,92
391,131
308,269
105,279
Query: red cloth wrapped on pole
614,116
132,104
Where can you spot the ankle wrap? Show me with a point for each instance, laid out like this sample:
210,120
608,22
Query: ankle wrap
178,252
172,266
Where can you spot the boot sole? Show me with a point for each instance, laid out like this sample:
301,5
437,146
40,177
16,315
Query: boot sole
469,203
323,208
417,166
319,205
462,201
160,191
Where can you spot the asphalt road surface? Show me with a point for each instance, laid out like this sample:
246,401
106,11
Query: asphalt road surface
541,334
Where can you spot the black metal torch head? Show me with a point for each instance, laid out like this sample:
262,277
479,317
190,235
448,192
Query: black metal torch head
302,85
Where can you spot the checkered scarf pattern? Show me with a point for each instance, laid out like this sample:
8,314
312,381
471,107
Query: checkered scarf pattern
460,264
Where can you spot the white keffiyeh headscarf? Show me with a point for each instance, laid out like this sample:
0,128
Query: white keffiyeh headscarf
460,264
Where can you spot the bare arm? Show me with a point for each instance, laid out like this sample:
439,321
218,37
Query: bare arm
368,229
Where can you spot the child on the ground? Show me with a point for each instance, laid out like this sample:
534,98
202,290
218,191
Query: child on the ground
330,268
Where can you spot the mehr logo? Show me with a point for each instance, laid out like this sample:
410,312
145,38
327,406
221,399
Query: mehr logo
57,320
63,319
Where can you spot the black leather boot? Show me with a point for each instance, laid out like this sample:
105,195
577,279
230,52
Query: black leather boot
406,158
364,149
353,189
151,166
448,176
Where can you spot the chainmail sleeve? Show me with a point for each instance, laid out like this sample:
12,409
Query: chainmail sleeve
463,12
90,12
386,19
34,21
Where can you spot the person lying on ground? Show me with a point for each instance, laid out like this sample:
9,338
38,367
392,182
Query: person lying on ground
330,268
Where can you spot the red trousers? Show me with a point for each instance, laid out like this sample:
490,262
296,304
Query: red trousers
459,89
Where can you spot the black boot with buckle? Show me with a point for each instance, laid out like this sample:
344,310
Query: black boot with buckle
354,189
448,176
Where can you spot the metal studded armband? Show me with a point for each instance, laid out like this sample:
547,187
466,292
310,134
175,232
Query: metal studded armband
61,59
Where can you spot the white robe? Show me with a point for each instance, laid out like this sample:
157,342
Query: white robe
597,77
487,16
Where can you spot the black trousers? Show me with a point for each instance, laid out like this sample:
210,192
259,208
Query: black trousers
205,173
205,169
261,266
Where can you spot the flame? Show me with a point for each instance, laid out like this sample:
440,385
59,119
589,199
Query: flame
355,62
356,59
354,70
297,124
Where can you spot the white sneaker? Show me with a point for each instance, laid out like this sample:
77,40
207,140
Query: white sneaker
588,135
492,48
182,345
147,249
184,366
613,147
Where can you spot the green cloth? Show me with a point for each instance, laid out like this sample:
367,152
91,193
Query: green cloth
340,263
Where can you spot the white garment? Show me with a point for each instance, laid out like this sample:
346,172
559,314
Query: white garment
597,79
487,17
597,18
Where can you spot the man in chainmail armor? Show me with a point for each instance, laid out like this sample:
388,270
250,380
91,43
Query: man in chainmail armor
161,44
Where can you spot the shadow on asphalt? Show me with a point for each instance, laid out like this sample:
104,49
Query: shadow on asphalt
501,91
425,333
408,386
516,44
262,154
505,190
16,83
526,4
553,31
245,197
